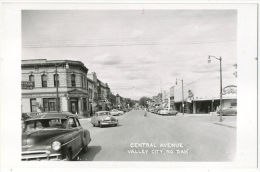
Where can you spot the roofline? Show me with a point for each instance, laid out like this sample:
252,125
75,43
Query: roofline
45,62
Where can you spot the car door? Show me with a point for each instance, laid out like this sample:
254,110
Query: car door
75,142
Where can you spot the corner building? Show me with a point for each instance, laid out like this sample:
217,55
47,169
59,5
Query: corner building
54,85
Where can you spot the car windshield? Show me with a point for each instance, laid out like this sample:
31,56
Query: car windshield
41,124
114,110
103,113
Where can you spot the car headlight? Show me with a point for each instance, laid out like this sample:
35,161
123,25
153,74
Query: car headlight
56,145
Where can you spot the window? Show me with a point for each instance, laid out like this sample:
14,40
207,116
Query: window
33,105
82,84
71,123
73,80
84,104
44,80
31,79
49,104
56,80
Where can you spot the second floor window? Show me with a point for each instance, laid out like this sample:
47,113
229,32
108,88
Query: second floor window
31,79
44,80
73,80
82,82
56,80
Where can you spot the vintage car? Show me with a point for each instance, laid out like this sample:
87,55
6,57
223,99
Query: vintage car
53,136
103,118
115,112
172,112
163,112
229,111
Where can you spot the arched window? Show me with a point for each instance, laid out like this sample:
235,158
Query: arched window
73,80
31,79
44,80
56,80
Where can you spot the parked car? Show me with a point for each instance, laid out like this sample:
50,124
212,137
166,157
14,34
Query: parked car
103,118
53,136
164,112
172,112
229,111
115,112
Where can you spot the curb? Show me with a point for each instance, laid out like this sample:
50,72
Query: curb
225,125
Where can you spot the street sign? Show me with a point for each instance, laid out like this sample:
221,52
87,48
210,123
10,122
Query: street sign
28,85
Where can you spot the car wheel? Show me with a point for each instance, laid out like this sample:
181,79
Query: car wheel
68,155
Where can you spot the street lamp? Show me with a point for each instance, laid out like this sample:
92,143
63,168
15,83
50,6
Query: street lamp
182,94
57,86
220,70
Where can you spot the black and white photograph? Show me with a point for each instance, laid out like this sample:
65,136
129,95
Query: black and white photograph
135,85
131,85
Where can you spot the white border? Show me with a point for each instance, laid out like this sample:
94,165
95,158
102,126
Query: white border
10,91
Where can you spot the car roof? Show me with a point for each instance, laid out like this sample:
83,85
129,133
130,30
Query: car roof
102,111
50,115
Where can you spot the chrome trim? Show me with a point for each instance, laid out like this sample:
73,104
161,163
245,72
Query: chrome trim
39,155
70,141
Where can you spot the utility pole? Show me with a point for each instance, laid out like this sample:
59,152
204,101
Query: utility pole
220,71
182,94
57,91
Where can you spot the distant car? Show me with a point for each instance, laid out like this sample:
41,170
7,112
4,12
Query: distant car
229,111
53,136
115,112
103,118
164,112
172,112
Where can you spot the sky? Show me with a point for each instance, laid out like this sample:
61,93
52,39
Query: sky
137,52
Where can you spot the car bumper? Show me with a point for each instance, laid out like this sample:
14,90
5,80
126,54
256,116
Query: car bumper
40,156
109,123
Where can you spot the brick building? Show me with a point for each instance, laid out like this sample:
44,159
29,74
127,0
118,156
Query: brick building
54,85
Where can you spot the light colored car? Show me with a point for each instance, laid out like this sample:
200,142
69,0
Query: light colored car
115,112
103,118
164,112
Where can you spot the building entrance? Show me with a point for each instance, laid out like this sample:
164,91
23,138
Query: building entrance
74,106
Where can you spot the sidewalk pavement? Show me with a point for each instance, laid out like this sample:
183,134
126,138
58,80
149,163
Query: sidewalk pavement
228,121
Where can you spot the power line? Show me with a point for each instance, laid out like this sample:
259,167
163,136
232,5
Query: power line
112,44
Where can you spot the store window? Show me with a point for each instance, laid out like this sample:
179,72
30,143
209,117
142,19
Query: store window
31,79
56,80
33,105
44,80
49,104
73,80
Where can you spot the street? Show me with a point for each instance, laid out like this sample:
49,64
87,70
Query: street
161,138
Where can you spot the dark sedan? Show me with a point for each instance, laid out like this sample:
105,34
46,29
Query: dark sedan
53,136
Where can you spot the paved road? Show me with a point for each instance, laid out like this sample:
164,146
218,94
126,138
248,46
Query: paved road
161,138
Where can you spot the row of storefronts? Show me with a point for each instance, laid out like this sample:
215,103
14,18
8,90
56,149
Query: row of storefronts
61,85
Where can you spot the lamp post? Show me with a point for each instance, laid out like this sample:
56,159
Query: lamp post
57,85
57,91
220,71
182,94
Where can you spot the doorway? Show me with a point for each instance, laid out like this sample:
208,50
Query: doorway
74,106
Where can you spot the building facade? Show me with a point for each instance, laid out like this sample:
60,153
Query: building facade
54,85
204,96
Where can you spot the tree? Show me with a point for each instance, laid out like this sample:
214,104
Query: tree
143,101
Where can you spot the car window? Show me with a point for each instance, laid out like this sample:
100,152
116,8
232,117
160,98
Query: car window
77,122
71,123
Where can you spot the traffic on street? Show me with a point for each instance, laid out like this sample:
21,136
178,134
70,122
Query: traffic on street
160,138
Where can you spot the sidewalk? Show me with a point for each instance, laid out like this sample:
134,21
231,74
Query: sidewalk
228,121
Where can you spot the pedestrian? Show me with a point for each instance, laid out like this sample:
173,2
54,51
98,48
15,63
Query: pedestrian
145,112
